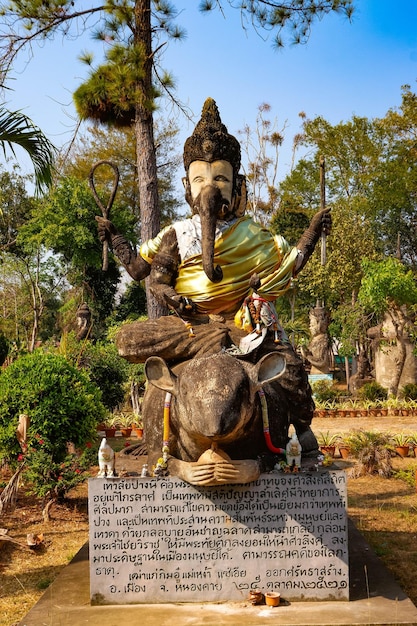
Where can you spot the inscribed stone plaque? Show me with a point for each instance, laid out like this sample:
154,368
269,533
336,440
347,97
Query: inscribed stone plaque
167,541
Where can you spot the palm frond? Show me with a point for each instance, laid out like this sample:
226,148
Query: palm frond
17,129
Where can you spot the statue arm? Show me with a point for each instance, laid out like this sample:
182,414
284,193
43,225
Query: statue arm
134,264
164,272
321,223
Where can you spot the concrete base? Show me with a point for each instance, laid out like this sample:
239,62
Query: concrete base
375,598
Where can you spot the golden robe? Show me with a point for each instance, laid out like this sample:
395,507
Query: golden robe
241,248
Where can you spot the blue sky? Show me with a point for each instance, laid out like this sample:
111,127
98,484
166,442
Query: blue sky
345,69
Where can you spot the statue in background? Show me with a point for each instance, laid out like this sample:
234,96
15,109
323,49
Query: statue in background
363,373
395,362
83,321
319,351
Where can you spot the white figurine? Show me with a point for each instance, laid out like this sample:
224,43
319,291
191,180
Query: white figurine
105,460
293,451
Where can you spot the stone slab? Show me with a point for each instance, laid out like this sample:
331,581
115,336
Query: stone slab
375,599
160,541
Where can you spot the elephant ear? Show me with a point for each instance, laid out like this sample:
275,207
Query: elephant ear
269,369
158,374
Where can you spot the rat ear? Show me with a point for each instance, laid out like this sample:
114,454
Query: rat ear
158,374
269,368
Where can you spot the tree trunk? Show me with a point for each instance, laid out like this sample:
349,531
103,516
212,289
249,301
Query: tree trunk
145,146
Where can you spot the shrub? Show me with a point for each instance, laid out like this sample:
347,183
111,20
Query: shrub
323,390
51,478
108,371
62,403
373,391
103,364
372,451
409,391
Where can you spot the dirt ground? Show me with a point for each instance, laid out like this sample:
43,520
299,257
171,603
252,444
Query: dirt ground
338,425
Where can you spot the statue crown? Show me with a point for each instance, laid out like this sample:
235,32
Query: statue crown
211,141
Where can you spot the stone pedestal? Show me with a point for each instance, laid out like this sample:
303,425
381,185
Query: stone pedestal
159,541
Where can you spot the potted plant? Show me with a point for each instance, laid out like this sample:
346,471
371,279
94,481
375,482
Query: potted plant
354,407
110,426
383,408
365,406
393,404
413,443
374,408
137,425
412,403
343,409
327,443
401,443
320,410
343,445
124,423
331,407
405,407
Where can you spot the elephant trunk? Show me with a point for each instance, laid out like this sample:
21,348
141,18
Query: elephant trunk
209,205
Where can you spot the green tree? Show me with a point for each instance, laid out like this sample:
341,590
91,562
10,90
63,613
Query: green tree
374,162
136,30
17,129
393,199
353,151
64,224
15,207
132,304
30,281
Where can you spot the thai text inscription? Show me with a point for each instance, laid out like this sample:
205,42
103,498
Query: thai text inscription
165,540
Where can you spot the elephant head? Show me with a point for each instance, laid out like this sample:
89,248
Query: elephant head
209,190
212,162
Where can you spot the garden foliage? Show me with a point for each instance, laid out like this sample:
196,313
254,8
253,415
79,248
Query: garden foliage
62,403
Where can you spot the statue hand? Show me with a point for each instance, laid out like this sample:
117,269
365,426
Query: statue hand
321,222
193,473
235,472
180,304
106,229
215,473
